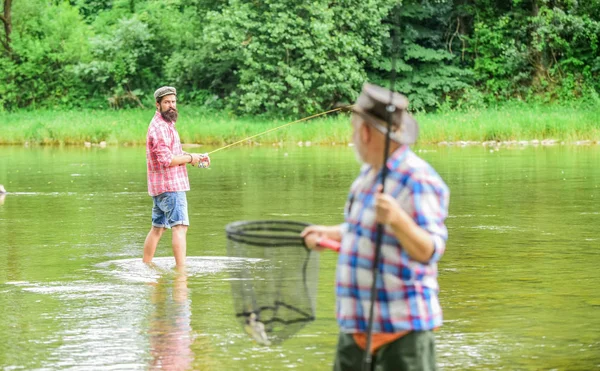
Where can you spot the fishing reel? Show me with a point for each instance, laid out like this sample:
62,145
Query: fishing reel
204,161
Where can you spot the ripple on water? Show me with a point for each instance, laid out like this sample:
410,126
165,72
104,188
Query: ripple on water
52,194
100,318
497,228
478,350
97,323
134,270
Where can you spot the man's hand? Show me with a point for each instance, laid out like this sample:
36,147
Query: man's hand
311,241
416,241
196,158
200,158
387,209
205,160
314,233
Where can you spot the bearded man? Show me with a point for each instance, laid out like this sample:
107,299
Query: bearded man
167,177
412,211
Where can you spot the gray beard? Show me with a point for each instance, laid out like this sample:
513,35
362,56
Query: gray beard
357,154
169,115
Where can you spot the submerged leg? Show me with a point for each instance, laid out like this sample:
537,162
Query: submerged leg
179,244
151,242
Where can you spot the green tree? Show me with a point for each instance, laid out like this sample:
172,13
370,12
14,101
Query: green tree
90,9
47,40
293,57
6,18
118,59
141,46
567,58
428,68
533,48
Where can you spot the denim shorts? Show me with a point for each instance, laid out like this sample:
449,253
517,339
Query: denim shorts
169,210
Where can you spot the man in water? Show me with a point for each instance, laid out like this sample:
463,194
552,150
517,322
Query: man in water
412,211
167,177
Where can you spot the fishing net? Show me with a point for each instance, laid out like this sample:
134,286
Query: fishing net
274,293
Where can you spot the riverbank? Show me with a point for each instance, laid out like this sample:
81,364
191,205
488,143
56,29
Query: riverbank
511,124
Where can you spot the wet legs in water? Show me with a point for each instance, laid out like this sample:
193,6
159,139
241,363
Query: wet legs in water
178,240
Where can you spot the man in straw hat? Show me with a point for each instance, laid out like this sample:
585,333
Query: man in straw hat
167,177
412,211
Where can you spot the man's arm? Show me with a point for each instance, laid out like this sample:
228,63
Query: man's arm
425,240
416,241
186,158
164,154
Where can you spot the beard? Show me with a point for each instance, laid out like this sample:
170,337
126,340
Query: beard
170,114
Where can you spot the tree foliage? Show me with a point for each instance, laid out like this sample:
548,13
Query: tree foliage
290,56
47,40
534,48
427,69
294,58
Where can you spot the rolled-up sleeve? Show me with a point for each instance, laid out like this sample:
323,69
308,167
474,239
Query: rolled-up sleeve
430,200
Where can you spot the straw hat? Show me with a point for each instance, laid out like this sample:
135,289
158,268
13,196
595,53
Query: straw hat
372,105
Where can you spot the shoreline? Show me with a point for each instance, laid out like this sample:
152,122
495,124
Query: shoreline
459,143
509,125
520,143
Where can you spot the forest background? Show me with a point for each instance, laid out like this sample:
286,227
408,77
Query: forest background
285,59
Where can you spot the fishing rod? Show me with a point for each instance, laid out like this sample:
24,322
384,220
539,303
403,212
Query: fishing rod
279,127
390,109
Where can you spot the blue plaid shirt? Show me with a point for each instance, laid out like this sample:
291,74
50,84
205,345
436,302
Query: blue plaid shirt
407,290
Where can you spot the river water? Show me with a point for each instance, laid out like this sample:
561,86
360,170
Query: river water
520,285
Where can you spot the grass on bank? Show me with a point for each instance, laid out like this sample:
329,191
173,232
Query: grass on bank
128,127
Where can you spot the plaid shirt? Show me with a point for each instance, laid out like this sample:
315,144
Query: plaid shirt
162,143
407,290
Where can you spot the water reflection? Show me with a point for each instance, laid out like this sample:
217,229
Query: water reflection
2,197
523,253
170,327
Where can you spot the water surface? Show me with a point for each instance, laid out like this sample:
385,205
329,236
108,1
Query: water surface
519,281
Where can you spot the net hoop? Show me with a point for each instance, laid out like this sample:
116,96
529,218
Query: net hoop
278,290
267,233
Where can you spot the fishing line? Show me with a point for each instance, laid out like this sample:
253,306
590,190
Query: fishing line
279,127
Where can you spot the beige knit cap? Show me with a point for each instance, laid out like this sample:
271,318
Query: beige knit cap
164,90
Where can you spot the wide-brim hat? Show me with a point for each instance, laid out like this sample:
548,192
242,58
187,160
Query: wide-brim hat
372,105
164,90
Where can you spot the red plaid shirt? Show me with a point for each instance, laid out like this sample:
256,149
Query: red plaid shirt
162,143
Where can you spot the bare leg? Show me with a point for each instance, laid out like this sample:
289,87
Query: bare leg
151,242
179,244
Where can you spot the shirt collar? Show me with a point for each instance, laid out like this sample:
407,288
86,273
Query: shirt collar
393,162
396,159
